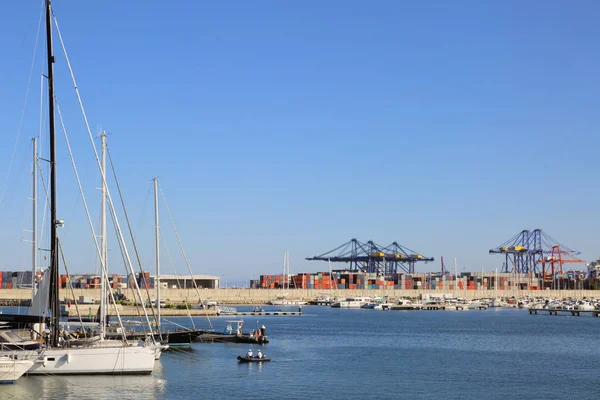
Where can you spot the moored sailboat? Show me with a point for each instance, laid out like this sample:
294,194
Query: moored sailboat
12,369
59,355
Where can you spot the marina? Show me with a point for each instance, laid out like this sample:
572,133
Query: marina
298,126
324,342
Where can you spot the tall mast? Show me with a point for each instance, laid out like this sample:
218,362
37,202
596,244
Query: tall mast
103,248
455,278
34,218
330,277
285,269
54,305
283,276
156,239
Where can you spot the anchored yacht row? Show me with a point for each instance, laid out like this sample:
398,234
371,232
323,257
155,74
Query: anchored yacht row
424,302
446,302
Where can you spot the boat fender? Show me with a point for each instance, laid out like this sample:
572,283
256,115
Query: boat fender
69,358
45,362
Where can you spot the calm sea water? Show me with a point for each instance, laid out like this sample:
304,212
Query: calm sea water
363,354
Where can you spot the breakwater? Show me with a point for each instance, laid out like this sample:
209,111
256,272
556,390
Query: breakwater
261,296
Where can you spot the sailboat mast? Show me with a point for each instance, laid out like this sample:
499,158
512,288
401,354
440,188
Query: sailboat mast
34,218
104,244
330,277
156,239
54,304
283,276
455,279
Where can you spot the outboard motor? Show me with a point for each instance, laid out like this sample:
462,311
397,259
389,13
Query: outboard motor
263,331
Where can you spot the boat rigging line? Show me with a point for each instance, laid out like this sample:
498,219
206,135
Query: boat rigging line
128,222
187,263
87,212
108,195
62,255
19,129
185,298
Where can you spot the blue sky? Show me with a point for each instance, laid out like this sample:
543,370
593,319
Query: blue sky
445,126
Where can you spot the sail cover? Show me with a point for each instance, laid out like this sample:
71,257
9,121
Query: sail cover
40,302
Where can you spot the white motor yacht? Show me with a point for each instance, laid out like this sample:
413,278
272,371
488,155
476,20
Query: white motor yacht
383,307
406,304
352,302
584,306
287,302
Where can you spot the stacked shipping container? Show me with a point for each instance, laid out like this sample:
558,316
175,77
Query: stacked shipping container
354,280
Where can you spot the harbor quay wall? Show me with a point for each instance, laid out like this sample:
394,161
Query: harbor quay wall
90,310
261,296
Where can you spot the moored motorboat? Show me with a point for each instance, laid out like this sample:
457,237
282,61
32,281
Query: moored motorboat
383,307
284,302
352,302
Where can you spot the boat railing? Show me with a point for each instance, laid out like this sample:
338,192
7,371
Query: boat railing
10,347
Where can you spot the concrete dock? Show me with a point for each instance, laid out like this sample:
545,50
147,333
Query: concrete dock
85,310
274,313
555,311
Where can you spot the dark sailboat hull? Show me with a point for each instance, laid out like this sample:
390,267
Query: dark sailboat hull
175,338
217,337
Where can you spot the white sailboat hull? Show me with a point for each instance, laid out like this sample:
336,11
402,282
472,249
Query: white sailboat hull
11,370
96,360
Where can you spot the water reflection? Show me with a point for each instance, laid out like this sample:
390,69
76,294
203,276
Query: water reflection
87,386
252,367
